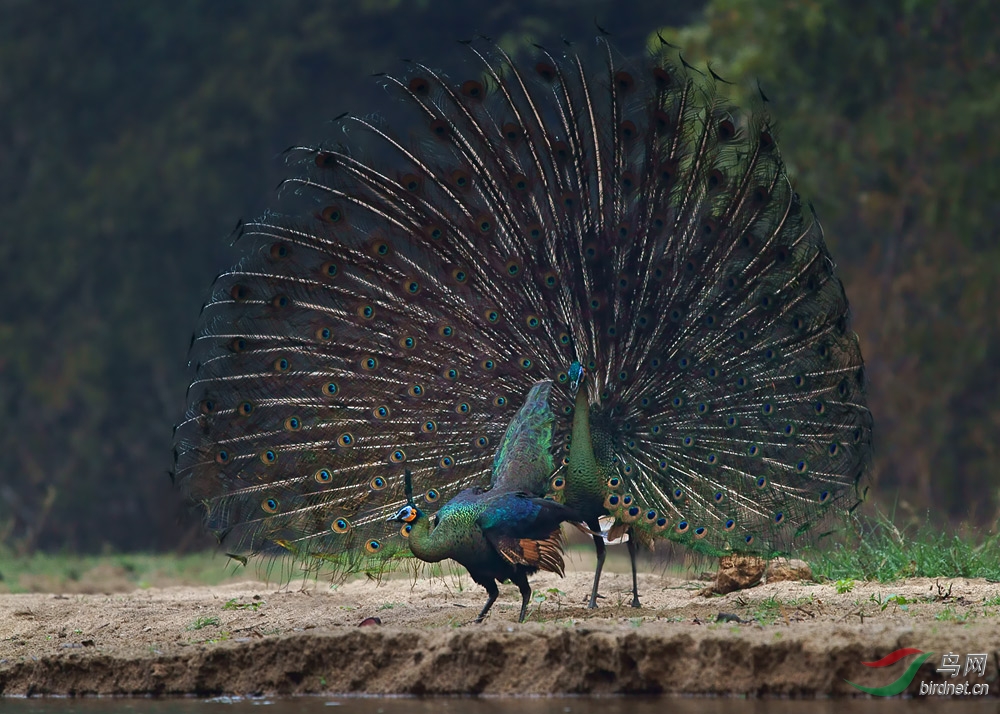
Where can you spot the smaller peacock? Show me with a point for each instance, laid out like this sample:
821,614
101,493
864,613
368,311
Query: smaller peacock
621,230
506,532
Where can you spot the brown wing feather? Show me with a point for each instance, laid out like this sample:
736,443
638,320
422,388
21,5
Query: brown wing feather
543,554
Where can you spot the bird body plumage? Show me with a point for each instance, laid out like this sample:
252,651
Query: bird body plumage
539,215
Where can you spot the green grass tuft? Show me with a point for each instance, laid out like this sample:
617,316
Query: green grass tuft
880,551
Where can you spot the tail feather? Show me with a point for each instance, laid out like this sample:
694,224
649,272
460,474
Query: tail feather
628,219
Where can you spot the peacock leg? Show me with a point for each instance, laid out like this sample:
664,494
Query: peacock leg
494,592
635,581
595,526
521,580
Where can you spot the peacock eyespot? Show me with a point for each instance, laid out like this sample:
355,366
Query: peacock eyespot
719,497
463,408
411,286
446,330
651,516
270,505
407,342
711,459
732,422
366,312
779,517
748,539
761,482
330,389
532,321
525,363
329,269
564,338
562,378
279,251
687,441
729,525
472,89
446,462
293,424
802,467
434,233
500,401
612,501
332,214
432,495
482,442
511,131
628,130
369,364
239,293
833,449
513,268
346,439
381,412
323,476
206,406
222,456
450,374
655,429
440,128
766,408
398,456
340,525
282,365
488,365
428,427
268,456
824,496
726,130
661,524
325,160
324,334
550,280
716,179
519,182
682,527
460,276
627,500
700,532
678,494
546,71
415,390
238,344
624,81
753,450
492,316
484,224
411,182
373,546
820,407
558,483
419,86
280,301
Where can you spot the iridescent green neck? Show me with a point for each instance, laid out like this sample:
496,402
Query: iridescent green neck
424,545
583,482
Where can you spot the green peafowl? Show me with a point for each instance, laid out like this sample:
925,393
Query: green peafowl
621,230
505,532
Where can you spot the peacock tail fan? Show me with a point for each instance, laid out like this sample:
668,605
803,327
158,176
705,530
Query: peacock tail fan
425,274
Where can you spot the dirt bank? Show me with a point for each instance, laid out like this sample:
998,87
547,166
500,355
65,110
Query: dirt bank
782,639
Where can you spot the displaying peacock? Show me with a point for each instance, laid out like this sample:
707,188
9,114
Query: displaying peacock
621,230
506,532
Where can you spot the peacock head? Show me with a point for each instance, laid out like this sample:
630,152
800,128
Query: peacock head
576,375
407,514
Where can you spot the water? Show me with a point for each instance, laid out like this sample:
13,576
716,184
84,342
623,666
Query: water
457,705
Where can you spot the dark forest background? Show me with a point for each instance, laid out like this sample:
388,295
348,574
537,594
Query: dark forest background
133,136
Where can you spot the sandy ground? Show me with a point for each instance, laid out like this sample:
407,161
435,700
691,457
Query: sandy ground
782,639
